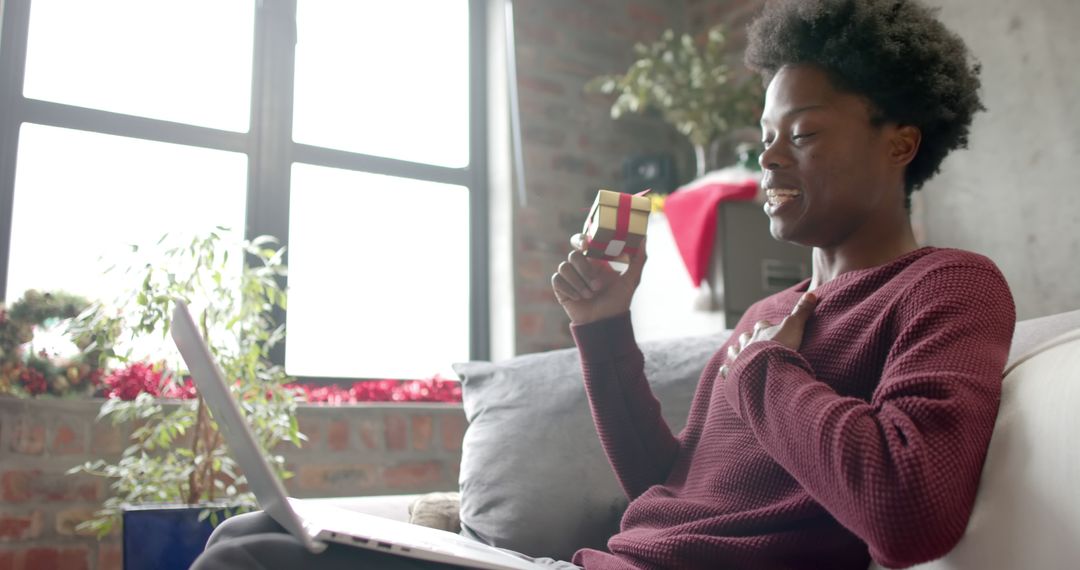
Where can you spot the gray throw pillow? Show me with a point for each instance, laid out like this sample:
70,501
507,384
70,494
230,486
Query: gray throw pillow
534,477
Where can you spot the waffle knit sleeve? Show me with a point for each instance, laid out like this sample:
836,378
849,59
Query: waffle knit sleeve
638,442
900,471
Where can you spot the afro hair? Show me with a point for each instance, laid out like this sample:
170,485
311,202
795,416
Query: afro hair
895,53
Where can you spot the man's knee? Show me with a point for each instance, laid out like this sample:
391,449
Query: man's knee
224,554
246,524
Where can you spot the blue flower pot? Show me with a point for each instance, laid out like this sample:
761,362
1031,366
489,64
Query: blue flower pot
166,537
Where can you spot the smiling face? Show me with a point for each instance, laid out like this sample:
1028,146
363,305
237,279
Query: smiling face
830,173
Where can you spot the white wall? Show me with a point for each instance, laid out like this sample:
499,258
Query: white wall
1015,194
664,304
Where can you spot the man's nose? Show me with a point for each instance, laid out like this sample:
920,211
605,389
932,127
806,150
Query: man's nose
774,157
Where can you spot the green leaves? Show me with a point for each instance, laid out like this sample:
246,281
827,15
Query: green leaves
176,454
693,89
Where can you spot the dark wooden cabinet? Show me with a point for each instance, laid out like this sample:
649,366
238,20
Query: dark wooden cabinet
748,264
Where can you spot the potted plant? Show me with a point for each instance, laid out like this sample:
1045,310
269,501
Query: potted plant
176,455
695,90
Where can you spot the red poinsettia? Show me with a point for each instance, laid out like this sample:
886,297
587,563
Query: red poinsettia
33,381
96,377
435,389
179,389
138,377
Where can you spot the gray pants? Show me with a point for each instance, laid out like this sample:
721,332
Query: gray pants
255,541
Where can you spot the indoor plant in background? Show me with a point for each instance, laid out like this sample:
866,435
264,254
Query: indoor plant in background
176,455
694,89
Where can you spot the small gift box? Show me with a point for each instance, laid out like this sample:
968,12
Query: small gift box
616,225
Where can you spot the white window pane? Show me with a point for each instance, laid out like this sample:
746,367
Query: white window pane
81,197
384,78
378,275
188,62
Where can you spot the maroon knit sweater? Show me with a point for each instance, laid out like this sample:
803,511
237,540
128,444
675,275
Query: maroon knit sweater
867,442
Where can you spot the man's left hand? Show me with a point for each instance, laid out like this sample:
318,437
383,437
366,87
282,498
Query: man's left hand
788,333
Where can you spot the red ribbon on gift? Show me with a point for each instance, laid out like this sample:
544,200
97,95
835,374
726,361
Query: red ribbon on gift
622,218
622,225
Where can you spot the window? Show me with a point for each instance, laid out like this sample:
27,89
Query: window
353,131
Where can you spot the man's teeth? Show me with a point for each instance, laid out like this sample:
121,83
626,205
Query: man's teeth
777,196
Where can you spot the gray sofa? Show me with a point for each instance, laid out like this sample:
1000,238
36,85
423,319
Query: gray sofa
534,478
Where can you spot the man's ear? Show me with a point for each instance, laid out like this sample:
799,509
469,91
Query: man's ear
904,144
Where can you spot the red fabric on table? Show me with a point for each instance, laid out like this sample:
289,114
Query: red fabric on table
692,212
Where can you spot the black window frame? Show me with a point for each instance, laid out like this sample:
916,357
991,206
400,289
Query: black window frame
268,144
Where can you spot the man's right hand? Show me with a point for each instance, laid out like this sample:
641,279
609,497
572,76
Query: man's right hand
590,289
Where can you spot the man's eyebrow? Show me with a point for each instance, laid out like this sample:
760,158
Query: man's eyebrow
798,110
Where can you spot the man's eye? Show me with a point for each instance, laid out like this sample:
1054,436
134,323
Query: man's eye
802,136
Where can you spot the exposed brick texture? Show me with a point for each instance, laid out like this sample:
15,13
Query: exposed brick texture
369,431
75,558
452,430
19,526
571,146
110,557
396,432
36,485
414,474
423,428
314,429
68,441
106,440
68,519
353,450
28,436
337,436
330,480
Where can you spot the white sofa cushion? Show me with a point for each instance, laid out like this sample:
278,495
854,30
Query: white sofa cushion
1027,512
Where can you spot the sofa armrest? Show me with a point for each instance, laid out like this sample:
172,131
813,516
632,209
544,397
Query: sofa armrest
387,506
433,510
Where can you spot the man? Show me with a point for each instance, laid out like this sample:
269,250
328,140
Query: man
848,417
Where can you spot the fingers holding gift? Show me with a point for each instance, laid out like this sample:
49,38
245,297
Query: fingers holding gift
591,275
637,263
568,281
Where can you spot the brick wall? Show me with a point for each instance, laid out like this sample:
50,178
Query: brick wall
571,145
571,148
736,15
367,449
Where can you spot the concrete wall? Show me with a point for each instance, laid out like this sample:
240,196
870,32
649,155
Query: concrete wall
1013,196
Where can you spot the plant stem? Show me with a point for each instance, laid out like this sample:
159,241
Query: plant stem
211,475
699,155
194,483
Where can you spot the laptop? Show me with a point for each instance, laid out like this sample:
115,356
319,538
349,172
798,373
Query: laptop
312,523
